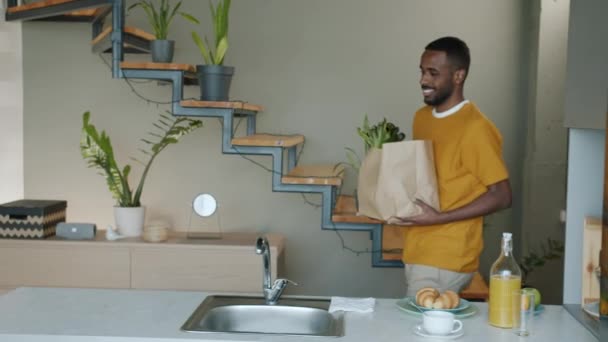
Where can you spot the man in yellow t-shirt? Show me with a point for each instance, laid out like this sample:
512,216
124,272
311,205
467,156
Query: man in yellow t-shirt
441,248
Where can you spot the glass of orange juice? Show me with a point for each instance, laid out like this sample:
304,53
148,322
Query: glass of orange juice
523,310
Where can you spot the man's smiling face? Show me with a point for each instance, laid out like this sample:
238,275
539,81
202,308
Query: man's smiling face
436,77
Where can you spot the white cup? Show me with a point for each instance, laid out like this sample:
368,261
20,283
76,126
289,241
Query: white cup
440,323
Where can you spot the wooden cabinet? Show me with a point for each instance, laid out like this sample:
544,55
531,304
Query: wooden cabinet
227,265
592,243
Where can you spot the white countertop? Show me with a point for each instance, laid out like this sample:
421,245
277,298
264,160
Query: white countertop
70,315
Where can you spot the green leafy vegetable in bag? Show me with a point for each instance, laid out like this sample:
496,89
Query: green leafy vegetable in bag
383,132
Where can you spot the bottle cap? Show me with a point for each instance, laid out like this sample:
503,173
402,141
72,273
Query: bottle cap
507,236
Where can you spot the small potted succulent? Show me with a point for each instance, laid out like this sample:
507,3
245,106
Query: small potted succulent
160,19
96,149
214,77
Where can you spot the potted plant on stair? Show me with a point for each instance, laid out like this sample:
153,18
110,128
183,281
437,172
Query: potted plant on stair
96,149
214,78
160,19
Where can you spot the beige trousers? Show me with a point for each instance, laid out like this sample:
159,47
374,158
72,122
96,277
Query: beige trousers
419,276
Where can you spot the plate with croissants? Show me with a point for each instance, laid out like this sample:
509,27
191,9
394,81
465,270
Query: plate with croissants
429,298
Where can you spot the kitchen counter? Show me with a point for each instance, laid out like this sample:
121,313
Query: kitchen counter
74,315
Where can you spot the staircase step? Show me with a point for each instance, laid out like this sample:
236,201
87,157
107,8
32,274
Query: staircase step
135,40
84,13
477,289
392,238
58,10
222,104
392,242
315,175
36,5
346,212
189,70
269,140
157,66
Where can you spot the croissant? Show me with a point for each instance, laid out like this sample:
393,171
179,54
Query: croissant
427,300
442,302
454,297
426,290
430,298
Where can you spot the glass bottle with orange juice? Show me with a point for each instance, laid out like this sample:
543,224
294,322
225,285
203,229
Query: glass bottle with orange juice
505,279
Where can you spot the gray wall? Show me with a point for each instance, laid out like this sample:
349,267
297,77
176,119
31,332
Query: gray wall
11,111
586,96
317,66
545,160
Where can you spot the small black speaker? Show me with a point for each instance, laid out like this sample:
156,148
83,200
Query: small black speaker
76,231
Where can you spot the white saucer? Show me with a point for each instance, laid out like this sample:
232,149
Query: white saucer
419,330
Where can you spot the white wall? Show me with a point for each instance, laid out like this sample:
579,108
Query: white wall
11,111
584,198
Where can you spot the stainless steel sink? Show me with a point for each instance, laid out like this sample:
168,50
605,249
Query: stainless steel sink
241,314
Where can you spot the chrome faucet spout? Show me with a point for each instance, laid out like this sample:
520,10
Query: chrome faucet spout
271,293
262,247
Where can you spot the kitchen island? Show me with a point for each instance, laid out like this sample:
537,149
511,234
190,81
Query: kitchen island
100,315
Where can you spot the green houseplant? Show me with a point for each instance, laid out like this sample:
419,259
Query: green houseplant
214,77
160,19
373,137
535,259
96,149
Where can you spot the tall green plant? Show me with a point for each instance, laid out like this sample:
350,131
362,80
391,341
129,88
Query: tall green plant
160,19
96,149
219,16
549,250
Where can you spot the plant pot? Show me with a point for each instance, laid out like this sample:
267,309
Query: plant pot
214,81
162,50
129,220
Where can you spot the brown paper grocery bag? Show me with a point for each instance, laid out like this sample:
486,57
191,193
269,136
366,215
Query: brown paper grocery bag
392,178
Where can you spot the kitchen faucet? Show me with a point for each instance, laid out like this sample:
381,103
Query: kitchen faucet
271,294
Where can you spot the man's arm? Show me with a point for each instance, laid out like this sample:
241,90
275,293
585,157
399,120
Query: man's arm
497,197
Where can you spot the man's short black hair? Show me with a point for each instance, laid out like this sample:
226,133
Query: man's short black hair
456,50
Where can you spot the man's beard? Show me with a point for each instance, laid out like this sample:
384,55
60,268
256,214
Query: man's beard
439,97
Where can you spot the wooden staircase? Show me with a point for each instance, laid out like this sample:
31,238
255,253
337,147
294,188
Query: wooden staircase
338,212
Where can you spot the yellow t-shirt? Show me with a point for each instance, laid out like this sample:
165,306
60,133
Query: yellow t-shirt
468,158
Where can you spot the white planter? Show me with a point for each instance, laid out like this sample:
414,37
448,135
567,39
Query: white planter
129,220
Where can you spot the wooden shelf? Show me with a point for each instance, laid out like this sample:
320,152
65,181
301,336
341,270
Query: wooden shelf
222,104
157,66
133,31
315,175
269,140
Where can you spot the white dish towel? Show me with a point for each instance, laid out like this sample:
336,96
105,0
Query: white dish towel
352,304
